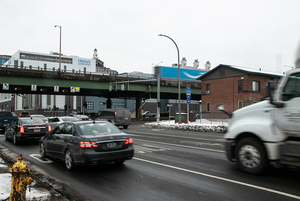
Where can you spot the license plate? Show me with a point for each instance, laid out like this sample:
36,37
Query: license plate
37,130
111,144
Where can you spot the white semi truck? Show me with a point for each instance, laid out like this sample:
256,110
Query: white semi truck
268,131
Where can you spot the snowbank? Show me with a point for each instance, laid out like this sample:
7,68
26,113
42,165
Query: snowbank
200,126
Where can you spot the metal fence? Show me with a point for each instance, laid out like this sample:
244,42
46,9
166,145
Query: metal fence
213,117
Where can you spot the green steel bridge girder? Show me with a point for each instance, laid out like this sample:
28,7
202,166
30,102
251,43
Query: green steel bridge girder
100,88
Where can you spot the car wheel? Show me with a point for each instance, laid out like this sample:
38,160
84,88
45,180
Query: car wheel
5,137
251,156
15,140
125,126
69,160
119,162
42,150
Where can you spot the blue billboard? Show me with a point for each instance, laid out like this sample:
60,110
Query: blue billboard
185,73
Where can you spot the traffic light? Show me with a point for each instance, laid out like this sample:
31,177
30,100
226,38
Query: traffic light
114,86
69,106
66,108
84,104
158,104
126,86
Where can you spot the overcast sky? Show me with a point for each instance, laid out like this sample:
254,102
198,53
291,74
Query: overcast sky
252,34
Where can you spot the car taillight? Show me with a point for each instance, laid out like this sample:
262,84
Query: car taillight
22,129
128,141
49,128
87,145
90,119
80,119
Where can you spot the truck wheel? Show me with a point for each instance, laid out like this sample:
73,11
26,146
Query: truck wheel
251,156
125,126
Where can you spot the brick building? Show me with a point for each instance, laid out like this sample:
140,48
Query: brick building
234,87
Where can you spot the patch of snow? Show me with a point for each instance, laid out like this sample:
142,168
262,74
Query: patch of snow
40,194
200,125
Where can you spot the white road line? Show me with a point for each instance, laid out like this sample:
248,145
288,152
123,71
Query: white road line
164,135
37,157
220,178
178,145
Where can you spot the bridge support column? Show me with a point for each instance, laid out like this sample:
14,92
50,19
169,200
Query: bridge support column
138,109
108,103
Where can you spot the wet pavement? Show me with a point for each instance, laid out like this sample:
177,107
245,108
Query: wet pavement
43,187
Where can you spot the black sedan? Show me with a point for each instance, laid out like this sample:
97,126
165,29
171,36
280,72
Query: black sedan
87,143
25,128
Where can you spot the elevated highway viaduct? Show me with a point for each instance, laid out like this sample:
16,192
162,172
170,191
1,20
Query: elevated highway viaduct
22,80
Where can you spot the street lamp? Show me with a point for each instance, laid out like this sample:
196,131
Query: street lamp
179,104
59,69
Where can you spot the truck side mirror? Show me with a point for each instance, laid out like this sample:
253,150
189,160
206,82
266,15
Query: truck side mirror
270,90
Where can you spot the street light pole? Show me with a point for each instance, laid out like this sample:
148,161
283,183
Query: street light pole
59,69
179,104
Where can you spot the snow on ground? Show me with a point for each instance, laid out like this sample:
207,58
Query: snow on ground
200,125
40,194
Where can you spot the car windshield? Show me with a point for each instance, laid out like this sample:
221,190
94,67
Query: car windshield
32,121
69,119
98,129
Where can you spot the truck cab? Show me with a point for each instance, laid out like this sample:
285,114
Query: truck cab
268,131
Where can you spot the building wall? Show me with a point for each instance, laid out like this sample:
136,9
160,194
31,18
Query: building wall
224,91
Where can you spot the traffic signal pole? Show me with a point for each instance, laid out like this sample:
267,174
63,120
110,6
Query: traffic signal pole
158,99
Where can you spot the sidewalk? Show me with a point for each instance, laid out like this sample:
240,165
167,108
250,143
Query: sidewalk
43,188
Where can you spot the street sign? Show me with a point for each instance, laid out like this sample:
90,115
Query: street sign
33,87
77,89
56,88
5,86
122,87
169,105
188,96
188,101
188,90
110,88
72,89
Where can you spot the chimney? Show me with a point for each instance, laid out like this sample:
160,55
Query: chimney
183,62
196,64
207,66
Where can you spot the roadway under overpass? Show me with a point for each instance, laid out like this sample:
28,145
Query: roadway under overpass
21,81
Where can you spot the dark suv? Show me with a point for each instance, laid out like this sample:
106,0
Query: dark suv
117,116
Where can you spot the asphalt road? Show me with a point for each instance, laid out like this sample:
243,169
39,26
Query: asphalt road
169,165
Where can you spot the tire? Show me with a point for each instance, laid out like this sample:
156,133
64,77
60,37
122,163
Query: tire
42,150
5,137
15,140
125,126
251,156
69,162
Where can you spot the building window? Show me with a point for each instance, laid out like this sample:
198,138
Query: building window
256,86
240,86
90,105
207,107
207,88
240,104
22,64
102,103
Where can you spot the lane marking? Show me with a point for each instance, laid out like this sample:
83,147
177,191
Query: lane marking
213,150
194,138
221,178
40,159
